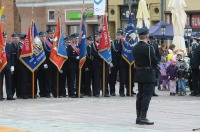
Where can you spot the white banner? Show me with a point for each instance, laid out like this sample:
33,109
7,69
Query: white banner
99,7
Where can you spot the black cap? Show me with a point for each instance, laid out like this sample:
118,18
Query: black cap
97,33
68,39
22,36
143,31
90,38
15,34
4,34
119,32
50,30
75,35
181,60
42,33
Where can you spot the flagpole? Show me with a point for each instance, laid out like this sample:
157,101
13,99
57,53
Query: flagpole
57,84
79,83
33,75
130,70
33,85
103,92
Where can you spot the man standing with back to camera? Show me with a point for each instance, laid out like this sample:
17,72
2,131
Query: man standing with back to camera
145,62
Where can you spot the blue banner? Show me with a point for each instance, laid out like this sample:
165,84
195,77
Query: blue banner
82,45
34,61
62,48
130,40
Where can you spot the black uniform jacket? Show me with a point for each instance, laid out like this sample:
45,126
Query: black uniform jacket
145,62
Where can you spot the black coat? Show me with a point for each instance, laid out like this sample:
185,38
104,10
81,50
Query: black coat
145,62
156,49
195,57
182,72
15,54
97,61
89,58
47,51
72,54
8,55
116,51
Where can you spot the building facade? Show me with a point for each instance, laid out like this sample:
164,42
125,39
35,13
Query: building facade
45,14
10,18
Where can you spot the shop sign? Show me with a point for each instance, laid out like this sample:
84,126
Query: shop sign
77,15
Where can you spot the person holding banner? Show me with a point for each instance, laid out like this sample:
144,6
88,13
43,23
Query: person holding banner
50,68
145,63
64,74
116,50
98,69
6,71
88,67
44,85
73,56
16,65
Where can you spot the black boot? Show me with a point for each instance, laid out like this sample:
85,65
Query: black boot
144,120
138,117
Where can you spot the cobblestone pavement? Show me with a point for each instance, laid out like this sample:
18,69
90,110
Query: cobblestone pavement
90,114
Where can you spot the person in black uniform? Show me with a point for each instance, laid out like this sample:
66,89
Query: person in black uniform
64,74
156,49
42,72
88,67
116,48
6,71
16,66
98,69
145,63
73,57
195,66
50,68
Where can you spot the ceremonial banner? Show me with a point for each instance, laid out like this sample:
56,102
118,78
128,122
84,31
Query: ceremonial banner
99,7
104,42
59,50
82,45
130,40
3,59
35,55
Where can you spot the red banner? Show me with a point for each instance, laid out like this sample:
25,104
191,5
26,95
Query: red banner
55,58
104,40
27,49
3,59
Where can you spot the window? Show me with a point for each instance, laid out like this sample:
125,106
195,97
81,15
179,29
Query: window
51,15
73,29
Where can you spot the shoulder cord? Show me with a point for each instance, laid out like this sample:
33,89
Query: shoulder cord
149,55
45,46
113,45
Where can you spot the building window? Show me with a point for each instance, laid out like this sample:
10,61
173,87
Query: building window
51,15
73,29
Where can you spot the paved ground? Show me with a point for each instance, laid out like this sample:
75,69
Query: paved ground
114,114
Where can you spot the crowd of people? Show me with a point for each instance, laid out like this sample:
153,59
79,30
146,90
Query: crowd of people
173,72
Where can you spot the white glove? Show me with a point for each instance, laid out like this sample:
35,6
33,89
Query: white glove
77,57
45,66
111,65
12,68
61,71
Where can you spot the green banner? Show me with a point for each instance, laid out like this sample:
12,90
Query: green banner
77,15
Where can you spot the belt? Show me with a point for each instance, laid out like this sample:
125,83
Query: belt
143,68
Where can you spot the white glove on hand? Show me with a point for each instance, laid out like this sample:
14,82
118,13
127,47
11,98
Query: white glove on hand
111,65
77,57
61,71
45,66
12,68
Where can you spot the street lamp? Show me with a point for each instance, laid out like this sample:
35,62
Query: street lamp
188,34
163,30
